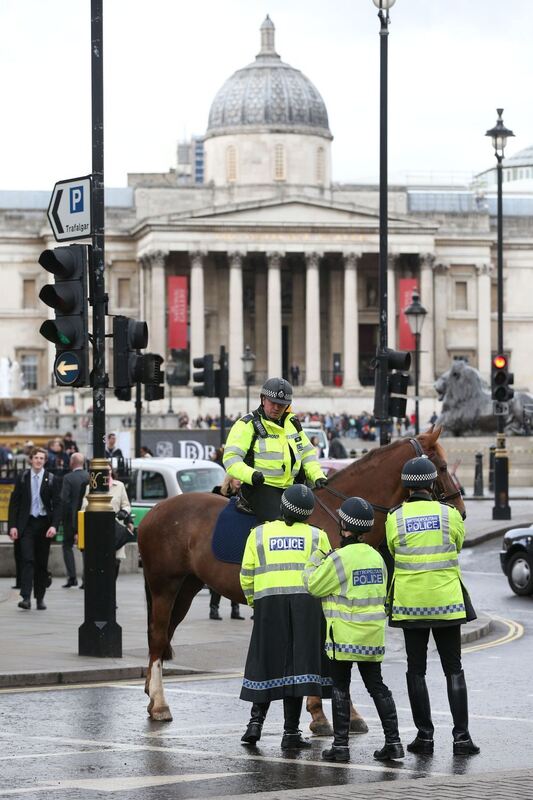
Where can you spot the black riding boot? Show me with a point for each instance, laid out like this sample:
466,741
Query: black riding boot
292,735
386,709
458,699
340,708
421,711
252,734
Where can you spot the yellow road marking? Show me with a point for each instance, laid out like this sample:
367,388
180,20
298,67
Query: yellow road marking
514,631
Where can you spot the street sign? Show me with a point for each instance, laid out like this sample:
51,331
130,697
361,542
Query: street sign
69,212
67,367
500,409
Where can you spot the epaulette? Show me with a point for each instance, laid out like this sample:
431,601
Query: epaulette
394,508
247,418
296,423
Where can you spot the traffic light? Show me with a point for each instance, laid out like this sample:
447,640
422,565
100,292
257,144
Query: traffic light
152,377
129,335
69,331
398,364
205,378
501,380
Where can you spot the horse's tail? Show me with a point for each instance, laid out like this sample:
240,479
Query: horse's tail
168,652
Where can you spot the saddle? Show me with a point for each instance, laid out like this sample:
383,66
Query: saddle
231,532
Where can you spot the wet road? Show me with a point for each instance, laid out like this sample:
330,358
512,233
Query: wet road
85,741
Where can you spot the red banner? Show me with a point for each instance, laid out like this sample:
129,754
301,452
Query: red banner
177,294
405,297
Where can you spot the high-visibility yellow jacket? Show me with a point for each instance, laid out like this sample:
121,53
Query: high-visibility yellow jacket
275,556
352,583
425,538
279,453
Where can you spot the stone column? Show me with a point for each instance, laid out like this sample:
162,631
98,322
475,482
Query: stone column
391,305
154,263
427,340
274,365
312,321
484,344
236,336
197,308
351,323
441,272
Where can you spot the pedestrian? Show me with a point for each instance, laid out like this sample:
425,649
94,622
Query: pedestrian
295,374
285,655
34,516
57,461
229,488
427,596
336,447
352,582
267,449
72,491
145,452
69,444
113,453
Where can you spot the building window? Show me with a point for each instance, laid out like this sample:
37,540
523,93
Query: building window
29,293
29,367
461,296
231,164
124,292
279,163
371,292
320,165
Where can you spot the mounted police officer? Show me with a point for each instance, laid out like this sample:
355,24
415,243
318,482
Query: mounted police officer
425,537
352,583
267,450
285,657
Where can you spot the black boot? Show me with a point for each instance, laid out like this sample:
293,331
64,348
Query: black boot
252,734
458,699
235,611
386,709
340,708
421,711
292,735
213,613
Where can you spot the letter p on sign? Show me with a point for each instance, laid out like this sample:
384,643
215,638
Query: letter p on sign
76,199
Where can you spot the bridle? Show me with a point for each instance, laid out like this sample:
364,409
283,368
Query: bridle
419,450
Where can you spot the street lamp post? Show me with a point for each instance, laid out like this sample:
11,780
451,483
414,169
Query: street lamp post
380,395
501,510
416,314
248,365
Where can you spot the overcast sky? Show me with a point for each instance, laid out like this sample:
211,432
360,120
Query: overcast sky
451,63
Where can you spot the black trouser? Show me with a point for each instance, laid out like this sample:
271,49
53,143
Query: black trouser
370,672
215,600
448,641
264,500
35,549
68,554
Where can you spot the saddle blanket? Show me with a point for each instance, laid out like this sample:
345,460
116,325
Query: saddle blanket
230,534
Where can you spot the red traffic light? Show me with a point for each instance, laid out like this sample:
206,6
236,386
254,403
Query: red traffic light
499,362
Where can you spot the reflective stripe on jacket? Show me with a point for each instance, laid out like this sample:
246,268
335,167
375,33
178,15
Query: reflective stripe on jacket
279,456
352,583
275,556
425,538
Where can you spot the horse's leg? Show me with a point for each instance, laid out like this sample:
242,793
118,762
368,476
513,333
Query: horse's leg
357,723
320,725
188,591
161,605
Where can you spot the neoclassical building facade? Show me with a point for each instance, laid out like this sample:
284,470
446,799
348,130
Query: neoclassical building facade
277,257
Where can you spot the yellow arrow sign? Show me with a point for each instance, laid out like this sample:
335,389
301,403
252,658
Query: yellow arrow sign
63,368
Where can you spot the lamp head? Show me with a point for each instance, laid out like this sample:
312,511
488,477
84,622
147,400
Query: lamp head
499,135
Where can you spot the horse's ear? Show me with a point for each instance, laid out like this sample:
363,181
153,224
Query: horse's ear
433,434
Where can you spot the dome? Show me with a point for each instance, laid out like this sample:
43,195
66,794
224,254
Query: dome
268,94
524,158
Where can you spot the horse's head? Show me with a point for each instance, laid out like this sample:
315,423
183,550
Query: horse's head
445,488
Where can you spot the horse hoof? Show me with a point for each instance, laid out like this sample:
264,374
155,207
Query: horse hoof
321,728
358,725
161,715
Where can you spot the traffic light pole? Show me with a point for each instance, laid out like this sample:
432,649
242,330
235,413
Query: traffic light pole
138,419
99,635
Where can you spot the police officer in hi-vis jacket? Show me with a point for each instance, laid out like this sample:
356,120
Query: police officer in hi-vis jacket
352,582
425,537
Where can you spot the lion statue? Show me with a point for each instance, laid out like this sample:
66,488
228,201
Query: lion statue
467,404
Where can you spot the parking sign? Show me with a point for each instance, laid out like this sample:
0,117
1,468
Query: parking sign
69,212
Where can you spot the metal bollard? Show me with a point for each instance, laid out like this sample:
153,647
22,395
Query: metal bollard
492,449
353,453
478,476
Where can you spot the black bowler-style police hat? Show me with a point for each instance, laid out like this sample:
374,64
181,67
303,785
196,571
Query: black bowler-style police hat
417,472
357,515
297,503
278,390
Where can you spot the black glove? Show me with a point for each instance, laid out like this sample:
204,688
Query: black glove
258,478
320,483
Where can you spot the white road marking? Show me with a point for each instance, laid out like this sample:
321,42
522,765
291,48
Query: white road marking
120,784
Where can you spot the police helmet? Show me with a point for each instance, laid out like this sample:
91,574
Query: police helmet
419,472
297,503
356,514
278,390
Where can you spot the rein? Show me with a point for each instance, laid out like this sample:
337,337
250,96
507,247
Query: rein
383,509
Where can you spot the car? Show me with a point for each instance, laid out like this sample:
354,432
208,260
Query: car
310,430
516,558
154,479
331,465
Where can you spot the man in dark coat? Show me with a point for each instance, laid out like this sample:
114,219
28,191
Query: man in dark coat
72,491
34,516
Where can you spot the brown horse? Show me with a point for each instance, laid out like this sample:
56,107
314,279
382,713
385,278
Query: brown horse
175,546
